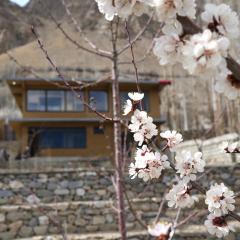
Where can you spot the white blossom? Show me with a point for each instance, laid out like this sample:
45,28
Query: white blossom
204,53
168,49
222,20
160,229
148,164
106,7
173,26
121,8
138,118
224,83
187,165
218,226
228,147
168,9
142,126
173,138
136,96
220,199
179,196
127,108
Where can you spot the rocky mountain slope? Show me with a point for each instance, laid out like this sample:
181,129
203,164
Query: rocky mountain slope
15,22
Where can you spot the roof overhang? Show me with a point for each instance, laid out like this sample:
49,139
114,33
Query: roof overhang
69,120
154,81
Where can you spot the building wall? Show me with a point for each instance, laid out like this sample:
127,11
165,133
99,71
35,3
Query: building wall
19,91
97,145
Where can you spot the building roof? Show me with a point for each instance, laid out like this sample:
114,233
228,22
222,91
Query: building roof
160,120
143,80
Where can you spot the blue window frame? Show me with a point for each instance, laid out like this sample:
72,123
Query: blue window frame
99,100
145,101
36,100
74,104
57,138
55,101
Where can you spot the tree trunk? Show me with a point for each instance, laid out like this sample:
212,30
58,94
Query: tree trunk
118,146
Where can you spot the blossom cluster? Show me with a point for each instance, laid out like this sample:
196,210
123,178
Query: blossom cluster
220,201
148,164
122,8
203,54
187,166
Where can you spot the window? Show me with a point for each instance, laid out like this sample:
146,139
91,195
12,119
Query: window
63,138
99,100
36,100
73,103
55,100
145,101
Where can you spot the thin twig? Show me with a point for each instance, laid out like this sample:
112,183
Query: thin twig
144,225
137,37
133,61
81,86
188,218
65,82
78,28
73,41
160,207
147,53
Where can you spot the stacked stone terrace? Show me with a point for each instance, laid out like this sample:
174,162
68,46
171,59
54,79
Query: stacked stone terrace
45,204
81,202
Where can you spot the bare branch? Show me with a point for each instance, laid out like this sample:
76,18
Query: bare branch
133,60
147,53
137,37
188,218
74,42
134,212
65,81
160,207
78,28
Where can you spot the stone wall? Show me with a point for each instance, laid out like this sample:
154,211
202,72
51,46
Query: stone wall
90,185
82,201
78,217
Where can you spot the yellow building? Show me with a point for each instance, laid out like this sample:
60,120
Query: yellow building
55,122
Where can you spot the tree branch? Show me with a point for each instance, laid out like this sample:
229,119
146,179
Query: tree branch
78,28
134,212
65,81
141,32
133,61
74,42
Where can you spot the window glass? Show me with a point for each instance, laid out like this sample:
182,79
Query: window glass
36,100
99,100
63,138
55,100
73,103
145,101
